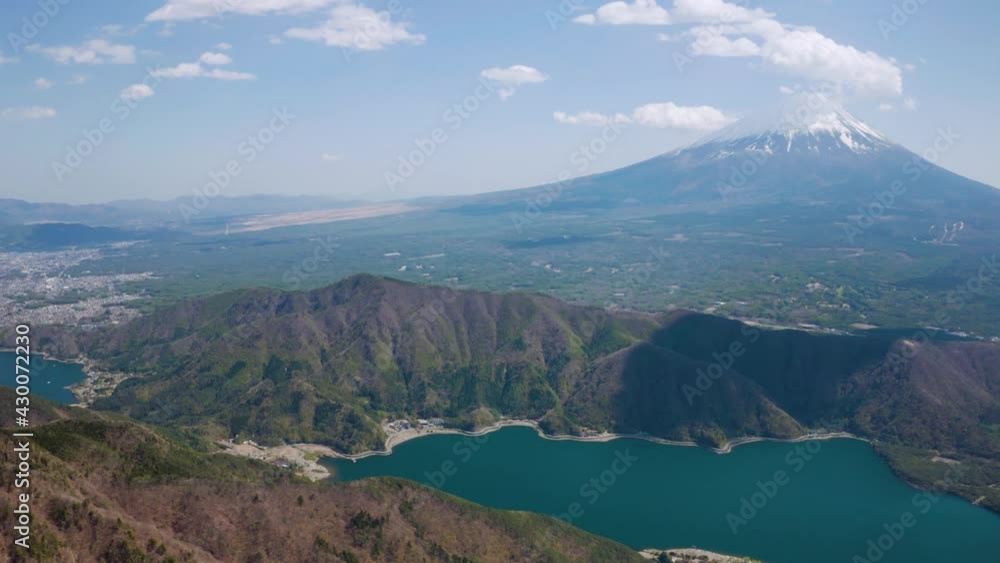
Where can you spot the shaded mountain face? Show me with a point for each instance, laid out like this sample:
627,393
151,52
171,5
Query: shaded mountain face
328,365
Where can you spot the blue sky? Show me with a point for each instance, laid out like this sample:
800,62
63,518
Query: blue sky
180,86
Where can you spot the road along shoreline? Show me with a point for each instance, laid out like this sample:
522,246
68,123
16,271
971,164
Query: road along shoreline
306,456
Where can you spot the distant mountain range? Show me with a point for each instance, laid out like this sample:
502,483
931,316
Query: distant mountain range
327,365
147,214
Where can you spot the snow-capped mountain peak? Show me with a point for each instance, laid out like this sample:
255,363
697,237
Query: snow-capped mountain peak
802,123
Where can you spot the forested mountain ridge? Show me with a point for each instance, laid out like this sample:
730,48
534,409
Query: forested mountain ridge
328,365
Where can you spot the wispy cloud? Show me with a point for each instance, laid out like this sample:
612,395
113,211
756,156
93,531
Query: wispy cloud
95,51
512,77
639,12
25,113
198,70
590,118
215,58
136,92
667,115
175,10
43,83
358,27
331,157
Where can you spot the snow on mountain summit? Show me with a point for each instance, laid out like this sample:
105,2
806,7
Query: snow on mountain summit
803,123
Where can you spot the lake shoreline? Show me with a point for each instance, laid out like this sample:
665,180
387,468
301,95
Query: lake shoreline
96,382
404,436
696,554
301,455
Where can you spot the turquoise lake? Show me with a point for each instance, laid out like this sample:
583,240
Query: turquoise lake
828,501
49,378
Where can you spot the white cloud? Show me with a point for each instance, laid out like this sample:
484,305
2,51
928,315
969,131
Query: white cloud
196,70
5,60
223,46
117,30
786,90
43,83
803,51
886,107
95,51
331,157
639,12
715,11
197,9
274,40
183,70
590,119
512,77
78,79
220,74
664,37
666,115
726,29
515,75
672,116
712,43
27,112
358,27
215,59
910,103
136,92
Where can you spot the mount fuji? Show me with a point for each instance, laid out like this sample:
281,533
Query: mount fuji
809,152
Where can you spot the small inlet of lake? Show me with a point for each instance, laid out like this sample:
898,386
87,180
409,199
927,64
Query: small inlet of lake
832,501
49,378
